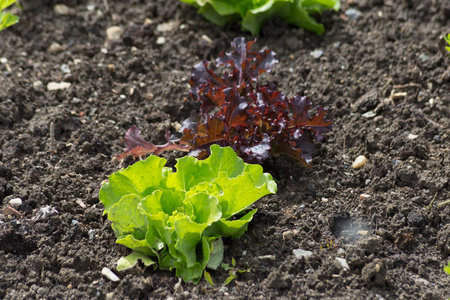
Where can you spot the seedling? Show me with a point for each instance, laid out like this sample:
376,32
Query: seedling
176,220
447,39
254,119
233,272
6,18
254,13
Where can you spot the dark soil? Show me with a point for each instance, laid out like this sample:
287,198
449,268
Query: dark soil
388,220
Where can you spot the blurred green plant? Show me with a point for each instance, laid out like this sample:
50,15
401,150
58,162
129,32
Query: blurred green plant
447,39
254,12
6,18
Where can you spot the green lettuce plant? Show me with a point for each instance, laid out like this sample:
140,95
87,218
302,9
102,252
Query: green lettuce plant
254,12
6,18
176,220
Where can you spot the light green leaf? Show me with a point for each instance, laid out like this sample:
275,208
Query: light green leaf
126,217
230,278
5,3
132,180
447,269
166,201
239,193
224,160
203,208
189,235
233,229
189,173
137,245
208,277
127,262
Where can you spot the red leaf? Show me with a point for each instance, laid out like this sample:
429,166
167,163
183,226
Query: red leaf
137,146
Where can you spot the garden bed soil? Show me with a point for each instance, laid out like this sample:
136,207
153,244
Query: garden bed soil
383,74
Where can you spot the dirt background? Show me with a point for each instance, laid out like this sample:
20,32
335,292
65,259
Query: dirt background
388,220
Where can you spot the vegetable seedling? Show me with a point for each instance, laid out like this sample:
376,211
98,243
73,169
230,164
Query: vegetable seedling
176,220
447,39
254,119
6,18
254,13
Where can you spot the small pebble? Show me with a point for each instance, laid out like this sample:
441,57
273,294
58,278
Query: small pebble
114,33
266,257
65,69
55,48
160,40
38,85
412,136
299,253
91,234
178,288
61,9
53,86
165,27
110,275
3,60
359,162
15,202
369,114
352,13
341,263
316,53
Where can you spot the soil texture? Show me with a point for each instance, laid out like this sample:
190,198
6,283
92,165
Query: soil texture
378,232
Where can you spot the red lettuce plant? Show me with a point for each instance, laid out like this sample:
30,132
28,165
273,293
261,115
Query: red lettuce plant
254,119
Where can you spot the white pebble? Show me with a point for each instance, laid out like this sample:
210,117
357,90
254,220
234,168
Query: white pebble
53,86
299,253
359,162
38,85
341,263
65,69
412,136
61,9
160,40
55,48
15,201
316,53
113,33
3,60
110,275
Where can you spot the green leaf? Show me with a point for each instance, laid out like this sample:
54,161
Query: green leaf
230,278
189,173
225,160
132,180
208,277
6,3
233,229
7,19
126,217
166,201
203,208
137,245
216,256
255,13
447,269
239,193
127,262
189,235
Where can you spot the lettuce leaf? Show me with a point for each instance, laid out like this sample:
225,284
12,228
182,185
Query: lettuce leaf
253,13
177,219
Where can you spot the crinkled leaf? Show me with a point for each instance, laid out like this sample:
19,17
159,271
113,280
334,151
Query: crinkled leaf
189,173
132,180
203,208
189,235
131,260
239,193
255,13
234,228
137,245
137,146
161,200
126,217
